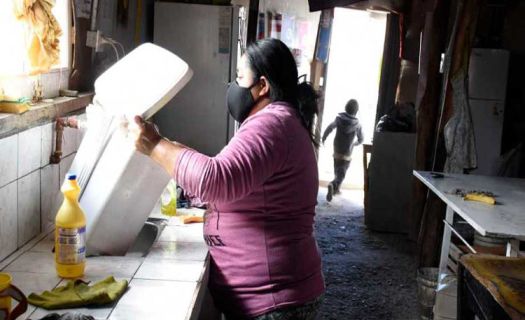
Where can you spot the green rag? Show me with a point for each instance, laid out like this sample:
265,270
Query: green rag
77,293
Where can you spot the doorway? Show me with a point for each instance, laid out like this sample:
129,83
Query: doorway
354,70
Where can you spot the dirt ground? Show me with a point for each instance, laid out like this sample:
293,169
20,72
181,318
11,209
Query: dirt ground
369,275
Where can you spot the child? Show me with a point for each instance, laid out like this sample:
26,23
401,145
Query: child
348,127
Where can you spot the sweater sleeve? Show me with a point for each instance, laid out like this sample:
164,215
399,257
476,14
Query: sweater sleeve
257,151
328,130
360,136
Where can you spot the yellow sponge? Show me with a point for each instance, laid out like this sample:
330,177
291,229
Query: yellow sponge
13,107
480,197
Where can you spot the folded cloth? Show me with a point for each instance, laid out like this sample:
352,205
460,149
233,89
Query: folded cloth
67,316
44,49
77,293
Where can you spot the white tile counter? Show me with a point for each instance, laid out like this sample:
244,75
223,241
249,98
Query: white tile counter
169,283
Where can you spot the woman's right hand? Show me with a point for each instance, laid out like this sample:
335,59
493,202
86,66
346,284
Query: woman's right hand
149,141
145,134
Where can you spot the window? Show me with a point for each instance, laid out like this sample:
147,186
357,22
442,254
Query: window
14,37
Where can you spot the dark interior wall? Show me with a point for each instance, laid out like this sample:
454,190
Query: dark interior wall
502,25
514,28
390,67
123,24
513,39
514,121
395,6
316,5
130,25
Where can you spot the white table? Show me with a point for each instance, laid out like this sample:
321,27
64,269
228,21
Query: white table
505,220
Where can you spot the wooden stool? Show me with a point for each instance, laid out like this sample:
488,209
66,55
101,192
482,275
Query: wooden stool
491,287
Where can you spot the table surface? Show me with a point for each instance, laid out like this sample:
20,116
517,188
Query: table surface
506,219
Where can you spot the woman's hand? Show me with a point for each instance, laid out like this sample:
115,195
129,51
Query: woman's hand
149,141
146,135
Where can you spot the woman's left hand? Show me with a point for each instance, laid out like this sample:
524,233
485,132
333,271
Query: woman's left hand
146,135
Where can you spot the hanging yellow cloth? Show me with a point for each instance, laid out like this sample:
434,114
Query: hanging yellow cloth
43,50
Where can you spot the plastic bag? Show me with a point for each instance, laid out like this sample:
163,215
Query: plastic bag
168,200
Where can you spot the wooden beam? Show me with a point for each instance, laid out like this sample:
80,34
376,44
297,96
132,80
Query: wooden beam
427,107
253,16
389,67
427,211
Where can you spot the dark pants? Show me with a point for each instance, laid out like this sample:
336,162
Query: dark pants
307,311
340,168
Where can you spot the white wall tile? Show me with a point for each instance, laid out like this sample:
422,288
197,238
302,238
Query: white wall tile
8,159
21,86
174,270
8,219
34,262
48,143
33,282
82,122
192,251
53,81
69,141
65,164
45,245
187,233
147,299
119,267
28,207
29,150
49,188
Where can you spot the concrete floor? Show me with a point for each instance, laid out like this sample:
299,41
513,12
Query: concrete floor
368,275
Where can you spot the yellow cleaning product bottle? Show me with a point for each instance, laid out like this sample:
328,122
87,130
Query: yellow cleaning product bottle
168,200
70,232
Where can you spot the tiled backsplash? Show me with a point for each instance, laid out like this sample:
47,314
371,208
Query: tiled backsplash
29,184
23,86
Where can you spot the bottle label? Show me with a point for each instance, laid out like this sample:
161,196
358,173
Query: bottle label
71,245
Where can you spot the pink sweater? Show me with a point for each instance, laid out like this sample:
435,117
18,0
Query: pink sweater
262,189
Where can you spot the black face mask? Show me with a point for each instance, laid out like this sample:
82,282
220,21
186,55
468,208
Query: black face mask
240,101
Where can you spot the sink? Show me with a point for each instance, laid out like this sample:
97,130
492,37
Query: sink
147,236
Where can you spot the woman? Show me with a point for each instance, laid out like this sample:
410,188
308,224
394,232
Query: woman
261,191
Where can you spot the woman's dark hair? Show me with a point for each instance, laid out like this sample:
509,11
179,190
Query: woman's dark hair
272,59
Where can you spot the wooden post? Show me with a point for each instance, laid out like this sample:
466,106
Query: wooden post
427,106
427,209
459,50
253,15
390,68
318,71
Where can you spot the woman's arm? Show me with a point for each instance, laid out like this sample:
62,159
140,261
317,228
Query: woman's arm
254,154
149,142
328,130
166,153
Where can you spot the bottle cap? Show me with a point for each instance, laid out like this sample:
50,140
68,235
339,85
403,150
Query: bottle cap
71,176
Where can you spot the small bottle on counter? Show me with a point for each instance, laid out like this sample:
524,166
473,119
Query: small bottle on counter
70,232
168,200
